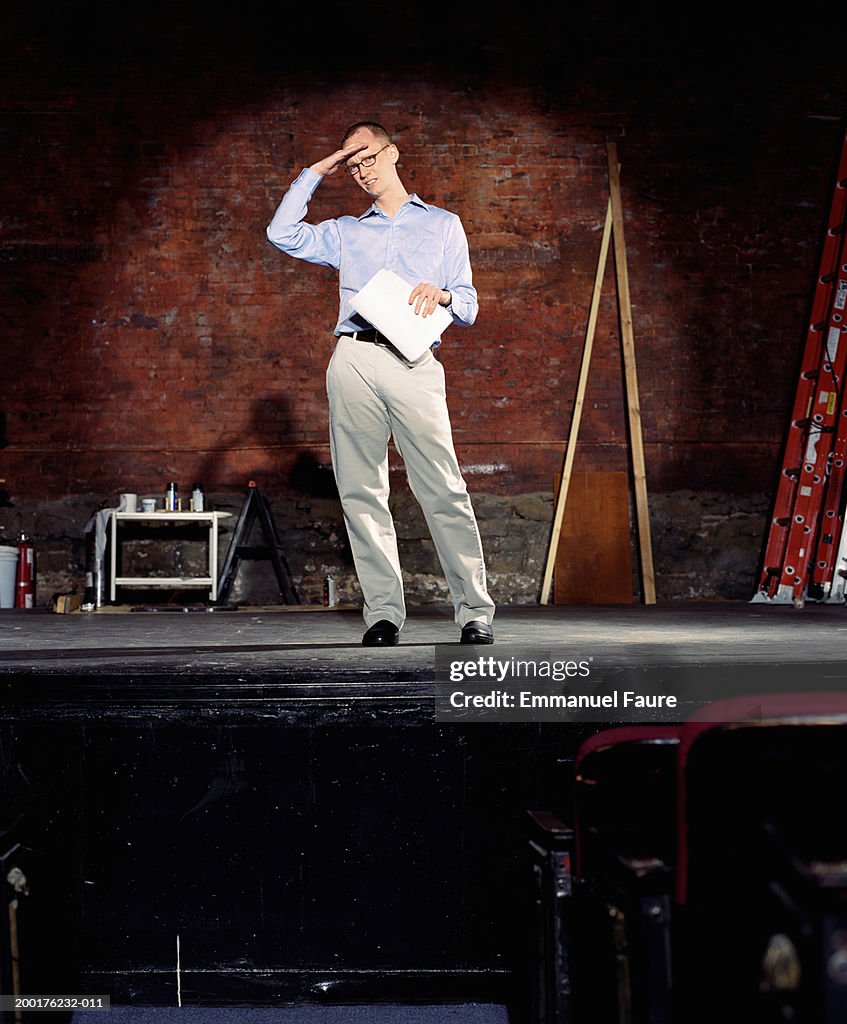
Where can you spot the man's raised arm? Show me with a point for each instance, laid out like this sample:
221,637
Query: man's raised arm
288,231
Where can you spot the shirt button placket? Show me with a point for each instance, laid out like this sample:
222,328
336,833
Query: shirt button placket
391,248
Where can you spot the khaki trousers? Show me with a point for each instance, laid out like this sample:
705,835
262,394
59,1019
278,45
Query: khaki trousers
374,394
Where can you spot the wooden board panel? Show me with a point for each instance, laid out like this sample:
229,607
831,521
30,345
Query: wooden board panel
594,556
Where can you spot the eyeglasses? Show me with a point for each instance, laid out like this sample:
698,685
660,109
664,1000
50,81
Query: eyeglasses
366,161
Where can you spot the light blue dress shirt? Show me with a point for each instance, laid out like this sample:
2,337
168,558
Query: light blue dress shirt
422,244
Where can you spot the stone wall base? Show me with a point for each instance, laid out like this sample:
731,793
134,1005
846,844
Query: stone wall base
706,546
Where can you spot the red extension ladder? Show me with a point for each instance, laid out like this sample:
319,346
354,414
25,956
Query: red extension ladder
803,555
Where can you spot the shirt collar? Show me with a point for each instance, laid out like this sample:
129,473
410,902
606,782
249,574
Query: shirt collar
374,209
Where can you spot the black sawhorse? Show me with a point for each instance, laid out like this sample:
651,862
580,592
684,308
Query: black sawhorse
255,507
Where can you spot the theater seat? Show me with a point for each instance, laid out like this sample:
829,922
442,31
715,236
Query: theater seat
550,900
625,853
762,874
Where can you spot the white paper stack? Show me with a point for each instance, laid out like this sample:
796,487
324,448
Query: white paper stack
384,302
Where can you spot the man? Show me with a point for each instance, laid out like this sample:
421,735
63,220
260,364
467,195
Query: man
375,393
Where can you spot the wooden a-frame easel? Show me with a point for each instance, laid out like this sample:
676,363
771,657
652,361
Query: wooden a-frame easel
613,229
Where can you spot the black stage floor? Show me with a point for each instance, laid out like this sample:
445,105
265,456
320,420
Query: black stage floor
246,807
284,638
288,645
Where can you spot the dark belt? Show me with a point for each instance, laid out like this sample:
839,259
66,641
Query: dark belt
371,335
375,338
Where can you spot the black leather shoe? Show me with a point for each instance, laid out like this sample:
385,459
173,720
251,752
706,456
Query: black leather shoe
381,634
477,632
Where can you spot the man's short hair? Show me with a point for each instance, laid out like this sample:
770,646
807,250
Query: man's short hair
375,129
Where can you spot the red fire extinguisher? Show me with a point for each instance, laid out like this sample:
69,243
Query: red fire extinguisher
25,576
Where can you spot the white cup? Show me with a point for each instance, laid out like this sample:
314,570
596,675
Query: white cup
148,504
129,503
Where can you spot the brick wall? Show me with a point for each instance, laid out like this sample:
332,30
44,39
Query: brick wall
150,332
